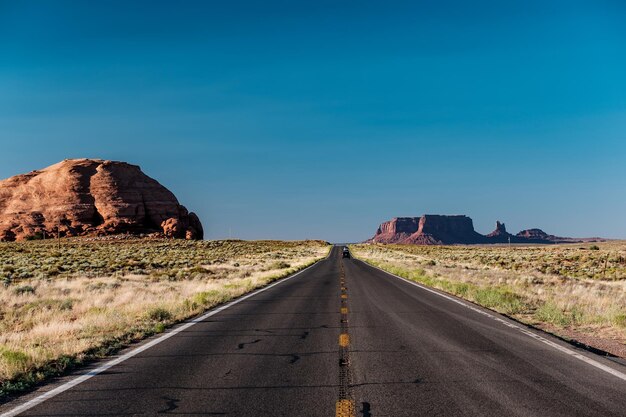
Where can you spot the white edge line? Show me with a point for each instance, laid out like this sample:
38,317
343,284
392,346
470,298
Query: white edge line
82,378
512,325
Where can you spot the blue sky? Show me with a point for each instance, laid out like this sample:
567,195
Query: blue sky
321,119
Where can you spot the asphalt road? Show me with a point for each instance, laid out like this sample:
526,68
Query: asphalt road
343,337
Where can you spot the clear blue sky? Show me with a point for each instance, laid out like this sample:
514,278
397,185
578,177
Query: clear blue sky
321,119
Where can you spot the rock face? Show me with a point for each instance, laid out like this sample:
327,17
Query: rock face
535,234
539,235
500,235
91,197
444,230
397,229
449,230
429,229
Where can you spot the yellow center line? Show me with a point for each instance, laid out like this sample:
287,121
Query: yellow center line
344,340
344,408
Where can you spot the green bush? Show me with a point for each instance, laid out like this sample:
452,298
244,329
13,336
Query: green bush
620,320
461,289
66,304
199,270
24,289
551,313
14,358
159,314
280,265
209,298
499,298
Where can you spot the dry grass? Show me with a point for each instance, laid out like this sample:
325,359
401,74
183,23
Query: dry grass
60,306
602,261
561,286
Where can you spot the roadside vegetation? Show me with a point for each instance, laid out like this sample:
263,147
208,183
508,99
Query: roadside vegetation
63,304
577,291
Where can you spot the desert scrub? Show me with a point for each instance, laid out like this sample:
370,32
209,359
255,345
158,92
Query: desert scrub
550,312
13,361
59,307
537,285
601,261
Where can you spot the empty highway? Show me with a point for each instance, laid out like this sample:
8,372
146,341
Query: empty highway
343,338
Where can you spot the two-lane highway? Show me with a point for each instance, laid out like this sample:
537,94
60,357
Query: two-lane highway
343,337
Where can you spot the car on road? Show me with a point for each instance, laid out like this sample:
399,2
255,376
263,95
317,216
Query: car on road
346,252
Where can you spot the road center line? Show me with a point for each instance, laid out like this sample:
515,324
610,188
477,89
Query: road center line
344,408
345,404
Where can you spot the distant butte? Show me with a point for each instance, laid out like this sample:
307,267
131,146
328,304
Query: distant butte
78,197
434,229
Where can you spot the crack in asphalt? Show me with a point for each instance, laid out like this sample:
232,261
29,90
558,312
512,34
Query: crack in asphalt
242,345
171,403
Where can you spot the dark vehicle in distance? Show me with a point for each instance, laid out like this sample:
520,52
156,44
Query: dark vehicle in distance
346,253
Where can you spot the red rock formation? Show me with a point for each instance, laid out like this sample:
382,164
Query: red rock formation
500,230
534,234
444,230
500,235
448,230
540,235
85,196
396,230
428,230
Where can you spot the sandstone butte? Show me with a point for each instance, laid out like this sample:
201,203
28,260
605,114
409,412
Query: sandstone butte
91,197
433,229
